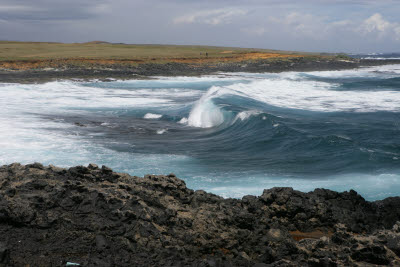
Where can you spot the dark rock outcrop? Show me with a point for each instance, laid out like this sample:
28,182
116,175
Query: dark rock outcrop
95,217
144,70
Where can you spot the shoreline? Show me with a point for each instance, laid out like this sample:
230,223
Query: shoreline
147,70
96,217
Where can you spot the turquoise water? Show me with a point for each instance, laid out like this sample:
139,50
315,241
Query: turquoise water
232,134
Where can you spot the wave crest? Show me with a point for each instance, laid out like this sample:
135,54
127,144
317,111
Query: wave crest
205,114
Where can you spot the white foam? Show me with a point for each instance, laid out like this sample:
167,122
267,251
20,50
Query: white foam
205,114
316,96
152,116
371,187
359,72
161,131
381,58
293,90
25,136
244,115
184,120
185,79
56,95
296,94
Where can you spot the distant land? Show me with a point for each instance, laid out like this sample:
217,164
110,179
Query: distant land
28,62
28,55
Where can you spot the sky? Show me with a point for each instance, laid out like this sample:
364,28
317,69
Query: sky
352,26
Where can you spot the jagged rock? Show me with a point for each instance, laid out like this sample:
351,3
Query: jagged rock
4,254
96,217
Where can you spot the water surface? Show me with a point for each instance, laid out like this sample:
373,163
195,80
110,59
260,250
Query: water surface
232,134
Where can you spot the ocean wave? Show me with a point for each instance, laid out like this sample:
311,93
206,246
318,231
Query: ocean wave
205,114
152,116
381,58
278,126
303,95
369,72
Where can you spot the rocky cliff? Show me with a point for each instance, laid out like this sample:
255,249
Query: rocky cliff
92,216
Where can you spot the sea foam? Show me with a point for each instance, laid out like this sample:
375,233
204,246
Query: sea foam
36,125
294,94
205,113
152,116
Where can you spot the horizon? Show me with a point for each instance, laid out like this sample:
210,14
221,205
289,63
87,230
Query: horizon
356,26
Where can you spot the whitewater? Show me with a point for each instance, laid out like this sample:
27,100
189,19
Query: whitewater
232,134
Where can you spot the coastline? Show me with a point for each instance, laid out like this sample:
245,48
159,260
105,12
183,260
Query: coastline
147,70
96,217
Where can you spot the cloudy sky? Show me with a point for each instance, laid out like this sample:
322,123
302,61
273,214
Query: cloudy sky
307,25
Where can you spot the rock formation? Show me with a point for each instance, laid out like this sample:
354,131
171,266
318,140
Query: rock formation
92,216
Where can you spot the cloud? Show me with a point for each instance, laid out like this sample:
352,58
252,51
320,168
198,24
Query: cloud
377,25
212,17
301,25
318,27
18,8
280,2
51,10
257,31
309,25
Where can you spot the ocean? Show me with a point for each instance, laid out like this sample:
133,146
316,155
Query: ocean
231,134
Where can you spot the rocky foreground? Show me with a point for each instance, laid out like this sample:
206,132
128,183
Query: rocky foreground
93,216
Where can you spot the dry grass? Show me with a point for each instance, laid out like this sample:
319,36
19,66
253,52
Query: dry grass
27,55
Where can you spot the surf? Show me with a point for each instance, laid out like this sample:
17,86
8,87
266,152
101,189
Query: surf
230,133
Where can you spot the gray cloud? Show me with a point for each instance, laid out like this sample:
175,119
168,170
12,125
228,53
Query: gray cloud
51,9
213,17
311,25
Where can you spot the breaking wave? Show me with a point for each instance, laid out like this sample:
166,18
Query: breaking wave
233,133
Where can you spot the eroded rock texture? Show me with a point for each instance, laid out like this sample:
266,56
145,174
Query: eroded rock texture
95,217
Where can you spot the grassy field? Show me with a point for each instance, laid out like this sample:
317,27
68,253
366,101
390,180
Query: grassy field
28,55
31,50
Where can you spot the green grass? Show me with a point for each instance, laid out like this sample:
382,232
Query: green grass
15,51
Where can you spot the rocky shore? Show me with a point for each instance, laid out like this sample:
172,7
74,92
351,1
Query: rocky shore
145,70
92,216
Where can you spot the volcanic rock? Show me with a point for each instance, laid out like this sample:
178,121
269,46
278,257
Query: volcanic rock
96,217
